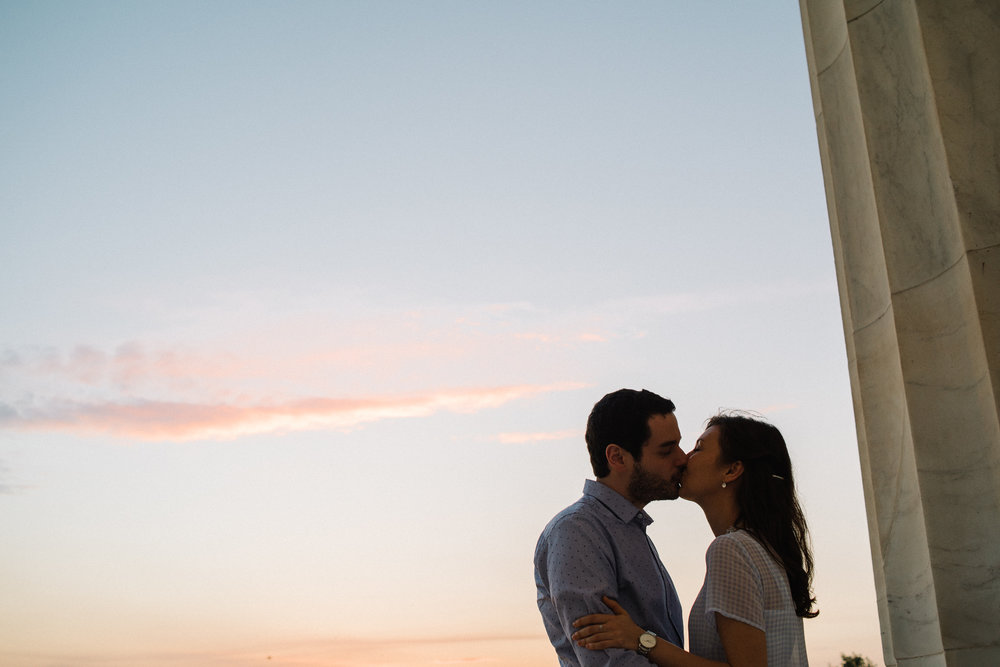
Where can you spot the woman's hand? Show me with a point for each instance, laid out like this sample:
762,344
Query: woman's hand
603,631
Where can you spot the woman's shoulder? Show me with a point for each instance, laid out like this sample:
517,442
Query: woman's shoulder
728,543
740,536
741,550
732,538
735,543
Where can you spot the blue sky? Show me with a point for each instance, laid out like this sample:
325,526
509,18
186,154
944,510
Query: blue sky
308,303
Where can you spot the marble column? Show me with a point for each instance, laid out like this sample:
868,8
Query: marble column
907,102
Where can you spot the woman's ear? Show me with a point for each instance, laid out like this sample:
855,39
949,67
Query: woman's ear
733,472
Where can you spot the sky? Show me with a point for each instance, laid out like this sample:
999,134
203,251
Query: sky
306,305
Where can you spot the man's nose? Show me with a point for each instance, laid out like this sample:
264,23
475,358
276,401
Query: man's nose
683,460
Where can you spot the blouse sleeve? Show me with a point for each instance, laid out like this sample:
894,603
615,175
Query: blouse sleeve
733,585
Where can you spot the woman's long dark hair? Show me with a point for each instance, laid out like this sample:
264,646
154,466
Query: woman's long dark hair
766,499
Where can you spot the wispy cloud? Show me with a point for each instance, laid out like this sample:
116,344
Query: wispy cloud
174,420
518,438
124,367
301,340
354,368
7,488
779,407
582,337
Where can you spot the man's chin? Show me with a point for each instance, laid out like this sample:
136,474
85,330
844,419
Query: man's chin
647,488
673,492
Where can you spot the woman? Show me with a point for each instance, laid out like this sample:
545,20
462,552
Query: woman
758,568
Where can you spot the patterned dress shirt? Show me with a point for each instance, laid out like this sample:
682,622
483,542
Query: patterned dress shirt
595,547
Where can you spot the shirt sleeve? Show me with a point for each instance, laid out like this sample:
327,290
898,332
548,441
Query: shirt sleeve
581,568
733,585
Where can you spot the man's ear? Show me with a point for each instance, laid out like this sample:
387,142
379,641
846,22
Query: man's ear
615,455
733,472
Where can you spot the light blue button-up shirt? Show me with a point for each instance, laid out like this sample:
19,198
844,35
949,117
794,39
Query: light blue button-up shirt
598,546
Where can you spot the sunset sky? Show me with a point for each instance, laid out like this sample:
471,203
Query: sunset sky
305,305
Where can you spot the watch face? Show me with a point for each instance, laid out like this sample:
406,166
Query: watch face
648,641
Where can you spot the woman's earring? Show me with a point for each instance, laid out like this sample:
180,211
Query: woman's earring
723,483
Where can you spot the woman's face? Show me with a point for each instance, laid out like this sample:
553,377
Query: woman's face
705,468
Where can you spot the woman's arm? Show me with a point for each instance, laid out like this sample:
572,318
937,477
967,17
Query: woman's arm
618,630
745,645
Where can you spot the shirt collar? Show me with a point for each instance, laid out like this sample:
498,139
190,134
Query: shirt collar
616,502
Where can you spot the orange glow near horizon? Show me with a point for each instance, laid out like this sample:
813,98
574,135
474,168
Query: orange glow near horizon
512,651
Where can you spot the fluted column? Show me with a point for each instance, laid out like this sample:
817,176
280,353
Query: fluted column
907,100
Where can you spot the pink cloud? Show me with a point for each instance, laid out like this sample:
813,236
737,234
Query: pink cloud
176,420
143,369
553,338
126,365
517,438
779,407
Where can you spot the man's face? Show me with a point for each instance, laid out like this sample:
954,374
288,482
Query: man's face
657,474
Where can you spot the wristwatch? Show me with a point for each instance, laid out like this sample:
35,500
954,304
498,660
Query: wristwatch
647,640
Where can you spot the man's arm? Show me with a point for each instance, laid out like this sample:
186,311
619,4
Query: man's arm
581,569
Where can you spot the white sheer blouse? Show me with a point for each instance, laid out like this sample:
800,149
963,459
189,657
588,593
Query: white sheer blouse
744,582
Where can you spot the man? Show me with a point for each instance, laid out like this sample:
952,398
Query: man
598,545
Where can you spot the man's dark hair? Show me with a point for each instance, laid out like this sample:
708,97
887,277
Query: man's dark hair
622,418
